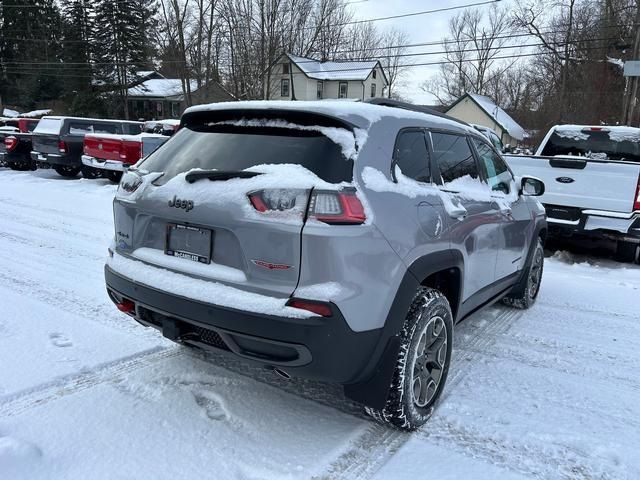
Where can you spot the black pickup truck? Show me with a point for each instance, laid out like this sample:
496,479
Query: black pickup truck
15,143
58,142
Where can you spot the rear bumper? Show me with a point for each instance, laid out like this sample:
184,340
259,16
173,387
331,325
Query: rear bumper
56,159
595,223
322,348
113,165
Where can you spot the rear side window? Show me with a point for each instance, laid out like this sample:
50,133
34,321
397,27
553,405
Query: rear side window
411,155
49,126
238,148
82,128
597,144
131,128
453,156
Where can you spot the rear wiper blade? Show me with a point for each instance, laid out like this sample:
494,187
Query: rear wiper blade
218,175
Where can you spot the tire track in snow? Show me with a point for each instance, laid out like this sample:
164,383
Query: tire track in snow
380,442
18,403
40,209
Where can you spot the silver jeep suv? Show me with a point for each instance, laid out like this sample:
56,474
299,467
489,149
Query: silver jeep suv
333,240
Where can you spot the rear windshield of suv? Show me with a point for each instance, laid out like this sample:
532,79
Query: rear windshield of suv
598,144
49,126
238,148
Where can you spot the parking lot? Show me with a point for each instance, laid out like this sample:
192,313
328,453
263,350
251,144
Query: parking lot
551,392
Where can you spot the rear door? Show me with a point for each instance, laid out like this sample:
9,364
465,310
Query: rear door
477,234
515,215
254,223
46,135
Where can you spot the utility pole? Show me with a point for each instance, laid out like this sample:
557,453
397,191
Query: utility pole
631,90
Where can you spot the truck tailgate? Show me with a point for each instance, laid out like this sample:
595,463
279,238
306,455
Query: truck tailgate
581,182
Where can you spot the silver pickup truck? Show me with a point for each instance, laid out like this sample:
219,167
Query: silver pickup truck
592,180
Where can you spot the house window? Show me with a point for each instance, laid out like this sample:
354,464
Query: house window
374,76
285,69
175,109
320,90
284,87
373,90
343,89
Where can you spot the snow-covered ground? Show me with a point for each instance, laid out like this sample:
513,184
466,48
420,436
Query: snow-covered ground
85,392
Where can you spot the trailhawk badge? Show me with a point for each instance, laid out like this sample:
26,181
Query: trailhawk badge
176,202
271,266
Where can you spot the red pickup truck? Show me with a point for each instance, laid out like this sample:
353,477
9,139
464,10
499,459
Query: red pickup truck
110,155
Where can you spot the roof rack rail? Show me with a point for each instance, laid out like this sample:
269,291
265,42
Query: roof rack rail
388,102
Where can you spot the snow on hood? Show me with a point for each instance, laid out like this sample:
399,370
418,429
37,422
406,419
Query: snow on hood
617,133
349,142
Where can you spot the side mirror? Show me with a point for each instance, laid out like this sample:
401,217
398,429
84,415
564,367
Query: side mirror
531,187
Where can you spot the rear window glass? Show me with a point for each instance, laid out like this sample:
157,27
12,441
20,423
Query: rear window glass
81,128
238,148
602,145
49,125
131,128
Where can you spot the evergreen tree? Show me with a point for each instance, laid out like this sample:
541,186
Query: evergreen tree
30,52
121,45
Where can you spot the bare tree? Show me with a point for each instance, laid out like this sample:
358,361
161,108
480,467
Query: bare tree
393,57
474,42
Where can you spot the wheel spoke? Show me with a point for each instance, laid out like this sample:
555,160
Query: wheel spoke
429,361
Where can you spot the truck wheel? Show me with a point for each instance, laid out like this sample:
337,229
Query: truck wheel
113,176
90,172
423,362
20,167
67,171
628,252
526,291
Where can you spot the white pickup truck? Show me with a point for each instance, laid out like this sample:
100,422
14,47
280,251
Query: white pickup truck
592,183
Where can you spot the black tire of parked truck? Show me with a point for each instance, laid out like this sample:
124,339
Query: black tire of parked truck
19,166
68,172
628,252
90,172
524,293
423,362
113,176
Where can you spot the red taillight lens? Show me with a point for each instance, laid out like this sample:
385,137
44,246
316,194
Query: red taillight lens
131,151
289,201
10,142
337,208
636,203
126,306
319,308
62,147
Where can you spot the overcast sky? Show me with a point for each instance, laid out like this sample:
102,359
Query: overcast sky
421,28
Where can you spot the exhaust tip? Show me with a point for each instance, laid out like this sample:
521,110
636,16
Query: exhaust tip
282,374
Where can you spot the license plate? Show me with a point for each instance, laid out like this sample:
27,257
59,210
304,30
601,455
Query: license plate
192,243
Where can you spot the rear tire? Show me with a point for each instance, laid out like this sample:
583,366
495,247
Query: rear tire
423,362
524,294
113,176
68,172
90,172
628,252
19,167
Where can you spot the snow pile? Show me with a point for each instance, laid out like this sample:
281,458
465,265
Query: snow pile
36,113
320,291
7,112
474,189
203,290
618,62
283,177
350,143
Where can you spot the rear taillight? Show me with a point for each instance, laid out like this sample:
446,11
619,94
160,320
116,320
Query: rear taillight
334,207
636,203
10,142
319,308
62,147
337,207
131,151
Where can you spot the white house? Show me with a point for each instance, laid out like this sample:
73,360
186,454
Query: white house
298,78
481,110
